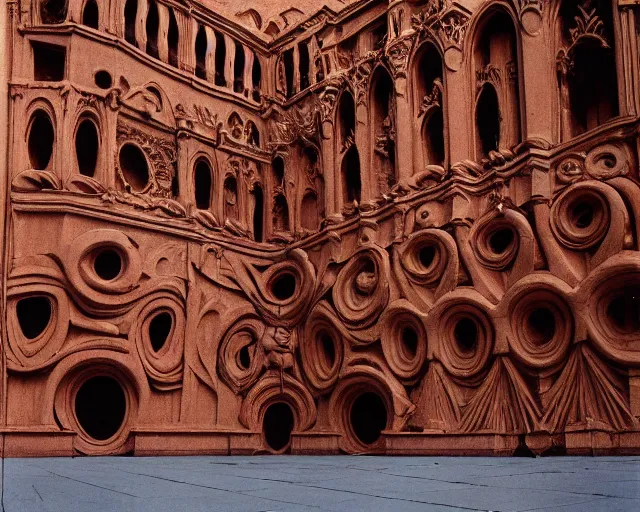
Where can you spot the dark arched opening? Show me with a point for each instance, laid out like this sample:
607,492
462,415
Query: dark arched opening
368,417
488,120
203,183
34,315
280,213
277,426
130,13
100,407
231,198
258,213
87,145
277,170
90,14
238,69
287,58
172,39
304,64
201,53
347,120
351,183
107,264
221,60
152,24
53,11
382,126
134,167
433,137
160,329
40,142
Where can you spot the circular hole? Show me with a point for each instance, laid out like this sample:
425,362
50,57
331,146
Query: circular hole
542,325
328,350
108,264
624,311
100,407
103,79
34,315
368,417
277,426
608,160
284,286
466,334
426,255
244,358
134,167
40,144
501,240
159,330
410,341
583,215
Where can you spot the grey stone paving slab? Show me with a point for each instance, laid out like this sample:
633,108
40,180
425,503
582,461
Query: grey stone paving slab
321,484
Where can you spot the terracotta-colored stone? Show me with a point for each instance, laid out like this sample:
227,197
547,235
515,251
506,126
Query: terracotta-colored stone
406,227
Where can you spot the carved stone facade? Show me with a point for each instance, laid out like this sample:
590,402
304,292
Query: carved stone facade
402,227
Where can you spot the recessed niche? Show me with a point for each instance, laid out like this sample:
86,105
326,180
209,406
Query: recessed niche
466,334
368,417
327,352
409,338
624,310
277,426
49,62
53,11
159,330
34,315
542,325
244,357
90,14
284,286
202,178
40,143
100,407
501,240
103,79
87,143
426,255
582,214
134,167
108,264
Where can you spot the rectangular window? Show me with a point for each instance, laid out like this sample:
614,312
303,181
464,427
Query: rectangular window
49,62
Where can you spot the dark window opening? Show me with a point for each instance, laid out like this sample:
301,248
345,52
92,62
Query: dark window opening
34,315
277,167
488,120
100,407
426,255
465,333
49,62
379,34
434,138
103,79
203,184
256,77
231,198
87,145
351,183
284,286
280,213
277,426
244,358
130,13
542,325
53,11
347,113
41,137
90,14
134,167
304,65
624,310
309,214
258,213
238,69
159,330
501,240
172,39
201,53
368,417
221,60
409,341
153,22
328,351
287,58
108,264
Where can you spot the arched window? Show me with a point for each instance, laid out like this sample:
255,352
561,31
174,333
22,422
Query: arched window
258,213
347,120
496,70
53,11
382,123
90,14
277,171
201,53
428,103
153,22
202,185
287,58
173,36
87,147
40,141
586,66
238,69
130,13
280,213
221,57
351,182
304,64
256,77
309,211
231,210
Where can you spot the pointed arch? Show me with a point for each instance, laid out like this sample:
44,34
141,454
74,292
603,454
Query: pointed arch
201,53
87,145
256,78
382,126
91,14
203,184
488,120
231,207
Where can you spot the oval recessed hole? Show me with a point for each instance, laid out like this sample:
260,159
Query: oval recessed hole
501,240
34,315
108,264
466,334
328,353
284,286
426,255
100,407
245,358
277,426
134,167
368,417
410,341
103,79
159,330
87,144
542,324
583,215
41,138
624,311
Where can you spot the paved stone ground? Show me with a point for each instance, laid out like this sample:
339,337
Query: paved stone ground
321,484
